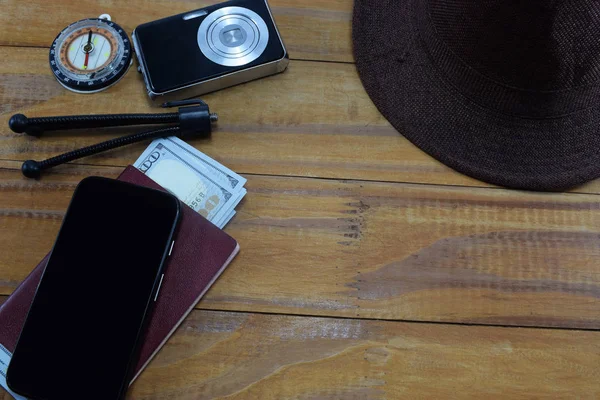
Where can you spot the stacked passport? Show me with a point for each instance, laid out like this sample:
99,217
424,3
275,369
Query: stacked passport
200,254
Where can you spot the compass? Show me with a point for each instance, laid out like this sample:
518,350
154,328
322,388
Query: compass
90,55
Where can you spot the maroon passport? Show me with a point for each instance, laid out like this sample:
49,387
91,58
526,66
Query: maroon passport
200,254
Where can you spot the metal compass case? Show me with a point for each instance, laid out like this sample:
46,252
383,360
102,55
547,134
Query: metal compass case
209,49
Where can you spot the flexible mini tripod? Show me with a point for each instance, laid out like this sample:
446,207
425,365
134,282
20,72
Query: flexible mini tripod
193,120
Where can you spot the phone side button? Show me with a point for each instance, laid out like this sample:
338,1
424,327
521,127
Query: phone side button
171,249
159,285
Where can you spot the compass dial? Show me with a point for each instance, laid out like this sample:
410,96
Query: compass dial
90,55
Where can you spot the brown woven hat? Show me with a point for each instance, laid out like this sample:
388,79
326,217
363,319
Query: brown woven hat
504,91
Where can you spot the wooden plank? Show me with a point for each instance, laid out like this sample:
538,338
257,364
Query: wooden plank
249,356
310,121
368,250
215,355
312,29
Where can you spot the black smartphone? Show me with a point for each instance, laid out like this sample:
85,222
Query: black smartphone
88,316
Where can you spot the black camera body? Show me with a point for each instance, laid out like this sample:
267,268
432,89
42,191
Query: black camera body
212,48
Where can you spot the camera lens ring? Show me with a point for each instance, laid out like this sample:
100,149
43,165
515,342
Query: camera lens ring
212,33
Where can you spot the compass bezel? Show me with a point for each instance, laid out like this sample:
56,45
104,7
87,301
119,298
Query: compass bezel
92,81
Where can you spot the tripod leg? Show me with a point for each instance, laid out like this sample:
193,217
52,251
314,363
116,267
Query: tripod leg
33,169
19,123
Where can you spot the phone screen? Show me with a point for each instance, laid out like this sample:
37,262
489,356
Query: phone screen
85,322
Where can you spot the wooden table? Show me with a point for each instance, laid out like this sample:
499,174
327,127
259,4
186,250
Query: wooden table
368,270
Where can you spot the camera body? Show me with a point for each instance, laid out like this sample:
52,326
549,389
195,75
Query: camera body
212,48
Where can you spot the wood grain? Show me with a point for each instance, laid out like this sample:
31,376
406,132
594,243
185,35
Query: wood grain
216,355
247,356
310,121
346,225
368,250
312,29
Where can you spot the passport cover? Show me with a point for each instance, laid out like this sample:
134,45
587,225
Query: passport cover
200,254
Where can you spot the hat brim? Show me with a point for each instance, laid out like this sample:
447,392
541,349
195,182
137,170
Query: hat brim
411,92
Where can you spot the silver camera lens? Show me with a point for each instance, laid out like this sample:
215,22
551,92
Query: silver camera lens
233,36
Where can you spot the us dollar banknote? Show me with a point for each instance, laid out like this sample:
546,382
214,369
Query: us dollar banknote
205,185
207,164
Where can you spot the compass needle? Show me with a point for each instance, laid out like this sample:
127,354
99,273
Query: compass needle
88,49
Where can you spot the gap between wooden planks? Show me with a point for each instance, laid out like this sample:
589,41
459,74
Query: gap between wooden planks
311,29
246,355
368,250
313,120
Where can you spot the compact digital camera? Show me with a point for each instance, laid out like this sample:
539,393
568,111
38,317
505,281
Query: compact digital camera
212,48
